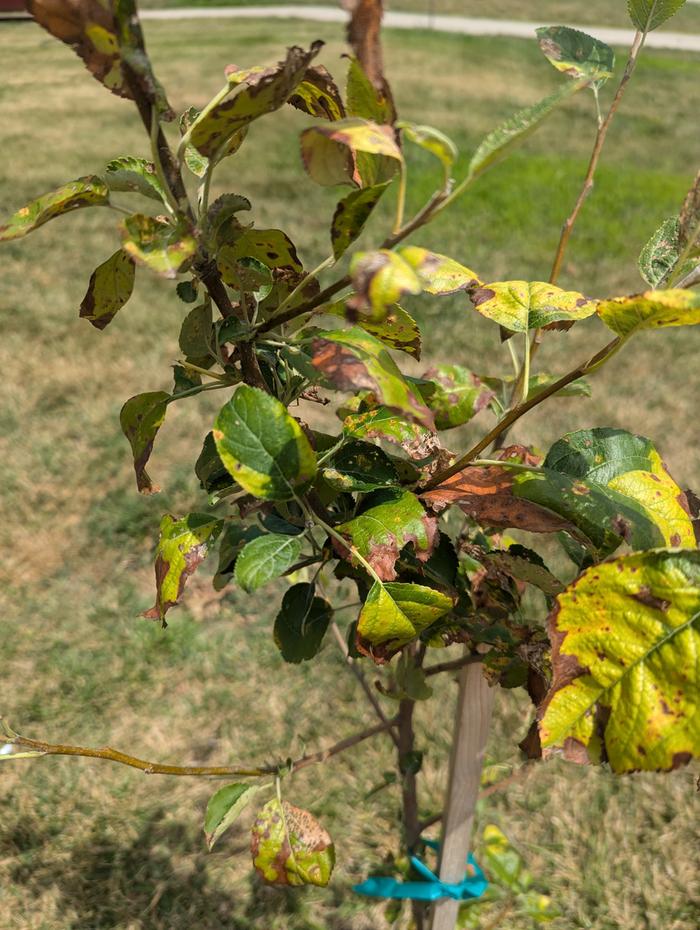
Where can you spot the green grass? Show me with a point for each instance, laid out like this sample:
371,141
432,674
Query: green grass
86,845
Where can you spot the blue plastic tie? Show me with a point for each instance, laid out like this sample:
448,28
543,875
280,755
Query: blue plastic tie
432,889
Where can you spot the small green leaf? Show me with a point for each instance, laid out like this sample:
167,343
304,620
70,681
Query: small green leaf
182,547
517,128
502,862
209,468
234,537
225,807
648,15
364,99
160,245
626,316
659,256
351,215
301,623
433,141
136,175
360,466
626,637
109,288
380,280
438,274
197,163
187,291
290,847
395,614
195,338
141,417
577,54
271,247
352,359
391,520
264,449
89,191
265,558
458,395
519,306
318,95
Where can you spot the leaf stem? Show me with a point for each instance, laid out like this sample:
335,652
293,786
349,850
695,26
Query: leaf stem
401,200
198,389
155,132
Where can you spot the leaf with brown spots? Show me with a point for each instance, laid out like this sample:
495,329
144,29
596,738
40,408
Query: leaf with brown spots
379,424
141,417
626,316
318,95
519,306
182,547
163,246
110,286
290,847
352,214
625,640
89,191
398,329
458,396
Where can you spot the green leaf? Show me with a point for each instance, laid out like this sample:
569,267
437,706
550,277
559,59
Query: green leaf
438,274
418,442
182,547
360,466
382,530
141,417
364,99
352,359
626,638
517,128
398,329
263,448
222,225
433,141
301,623
380,280
626,316
195,338
290,847
318,95
225,807
648,15
136,175
109,288
630,466
271,247
458,395
160,245
259,91
577,54
352,214
265,558
660,255
395,614
328,151
209,468
502,862
89,191
519,306
187,291
234,537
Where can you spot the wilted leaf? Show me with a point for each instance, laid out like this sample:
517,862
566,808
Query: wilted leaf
318,95
263,447
136,175
524,565
395,614
648,15
89,191
352,359
225,807
301,623
382,530
360,466
519,306
458,395
659,256
438,274
625,638
433,141
576,53
398,329
517,128
182,547
158,244
110,286
380,280
626,316
141,417
628,465
259,91
265,558
351,214
290,847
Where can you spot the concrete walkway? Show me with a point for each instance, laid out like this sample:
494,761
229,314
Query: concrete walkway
461,25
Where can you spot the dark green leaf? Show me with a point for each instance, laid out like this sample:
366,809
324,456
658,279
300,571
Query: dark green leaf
265,558
360,466
351,214
141,417
577,54
648,15
301,623
196,331
110,286
209,468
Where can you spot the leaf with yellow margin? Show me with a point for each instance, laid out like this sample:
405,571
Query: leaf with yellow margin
626,316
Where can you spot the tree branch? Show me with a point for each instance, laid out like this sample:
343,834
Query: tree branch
453,666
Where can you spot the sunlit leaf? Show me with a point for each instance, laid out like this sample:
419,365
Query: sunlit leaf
328,150
626,637
109,288
433,141
263,447
160,245
351,215
182,547
265,558
519,306
272,247
380,280
318,95
576,53
225,807
626,316
89,191
141,417
418,442
648,15
395,614
301,623
398,329
438,274
290,847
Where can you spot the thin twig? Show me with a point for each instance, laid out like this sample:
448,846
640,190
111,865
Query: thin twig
454,666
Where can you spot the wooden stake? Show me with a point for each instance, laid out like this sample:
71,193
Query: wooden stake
472,724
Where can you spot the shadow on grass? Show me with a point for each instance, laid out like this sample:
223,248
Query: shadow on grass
153,882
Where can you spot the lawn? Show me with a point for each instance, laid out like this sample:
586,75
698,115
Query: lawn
86,846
